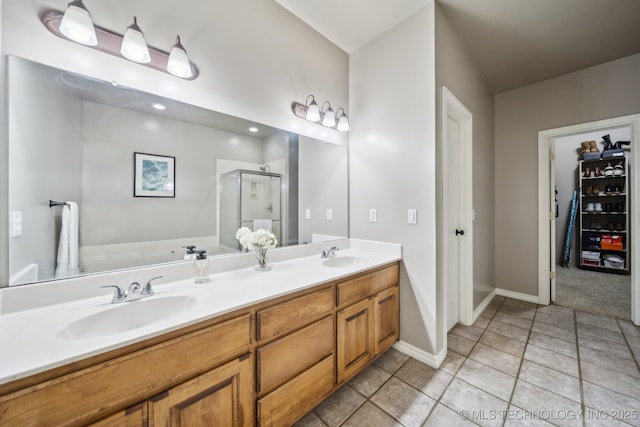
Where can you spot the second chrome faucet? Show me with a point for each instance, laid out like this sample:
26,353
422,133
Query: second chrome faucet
135,292
329,253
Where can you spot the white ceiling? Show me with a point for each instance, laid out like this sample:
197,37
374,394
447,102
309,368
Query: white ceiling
350,24
513,42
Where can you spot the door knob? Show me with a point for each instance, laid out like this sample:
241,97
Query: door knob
459,232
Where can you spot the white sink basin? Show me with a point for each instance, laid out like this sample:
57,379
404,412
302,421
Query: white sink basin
342,261
126,316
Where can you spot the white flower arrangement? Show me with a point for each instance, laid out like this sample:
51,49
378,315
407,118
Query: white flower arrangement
259,241
255,240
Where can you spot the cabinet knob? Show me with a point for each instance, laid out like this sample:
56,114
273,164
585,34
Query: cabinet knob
459,232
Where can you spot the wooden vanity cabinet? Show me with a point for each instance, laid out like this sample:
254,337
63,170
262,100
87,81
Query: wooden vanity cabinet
220,397
101,393
295,357
368,321
267,365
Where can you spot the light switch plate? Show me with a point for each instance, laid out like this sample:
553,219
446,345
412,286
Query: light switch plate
16,224
373,215
329,214
307,214
412,216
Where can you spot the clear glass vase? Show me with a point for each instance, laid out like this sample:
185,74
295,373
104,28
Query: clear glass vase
262,261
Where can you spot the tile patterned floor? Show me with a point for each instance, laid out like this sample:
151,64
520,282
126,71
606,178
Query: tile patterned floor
519,365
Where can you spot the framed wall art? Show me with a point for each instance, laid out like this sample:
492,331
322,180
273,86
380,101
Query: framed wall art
154,175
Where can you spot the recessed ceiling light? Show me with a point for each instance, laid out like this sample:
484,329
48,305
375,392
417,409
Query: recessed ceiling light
253,129
158,106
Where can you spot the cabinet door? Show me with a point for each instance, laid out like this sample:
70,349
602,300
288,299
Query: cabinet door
355,338
220,397
386,319
136,416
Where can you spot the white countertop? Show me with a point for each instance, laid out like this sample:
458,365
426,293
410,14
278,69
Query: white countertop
33,340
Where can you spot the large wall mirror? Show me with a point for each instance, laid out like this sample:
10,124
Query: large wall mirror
73,139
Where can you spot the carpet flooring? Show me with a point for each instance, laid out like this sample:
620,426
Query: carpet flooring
594,292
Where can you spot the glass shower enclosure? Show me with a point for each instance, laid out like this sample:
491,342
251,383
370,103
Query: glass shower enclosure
251,199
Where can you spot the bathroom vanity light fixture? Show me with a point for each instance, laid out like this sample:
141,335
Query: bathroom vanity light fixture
326,117
76,25
134,46
329,119
343,120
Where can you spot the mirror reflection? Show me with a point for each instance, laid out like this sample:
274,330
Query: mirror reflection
72,140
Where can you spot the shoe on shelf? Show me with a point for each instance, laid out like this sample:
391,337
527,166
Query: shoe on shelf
617,189
593,147
608,171
618,169
608,207
588,190
619,226
619,207
598,171
596,226
590,207
587,172
598,207
584,147
595,191
608,189
607,143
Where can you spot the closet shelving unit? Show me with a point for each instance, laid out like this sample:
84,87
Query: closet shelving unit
604,215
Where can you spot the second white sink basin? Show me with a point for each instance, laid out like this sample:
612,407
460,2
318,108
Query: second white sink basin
342,261
126,316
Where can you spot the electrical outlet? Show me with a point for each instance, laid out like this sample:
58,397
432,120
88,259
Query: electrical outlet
307,214
16,224
412,216
373,215
329,214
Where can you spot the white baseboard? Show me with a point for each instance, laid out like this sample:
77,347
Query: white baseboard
433,360
517,295
478,311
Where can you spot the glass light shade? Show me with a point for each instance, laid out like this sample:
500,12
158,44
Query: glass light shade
134,47
343,123
313,111
77,25
329,118
178,63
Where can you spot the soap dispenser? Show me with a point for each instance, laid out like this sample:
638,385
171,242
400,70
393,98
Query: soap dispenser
190,253
201,267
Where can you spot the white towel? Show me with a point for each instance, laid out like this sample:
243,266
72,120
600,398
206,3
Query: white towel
68,245
262,224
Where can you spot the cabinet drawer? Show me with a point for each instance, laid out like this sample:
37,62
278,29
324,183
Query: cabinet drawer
294,399
365,286
293,314
125,380
287,357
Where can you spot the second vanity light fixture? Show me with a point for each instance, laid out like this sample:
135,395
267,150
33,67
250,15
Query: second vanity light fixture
76,25
325,116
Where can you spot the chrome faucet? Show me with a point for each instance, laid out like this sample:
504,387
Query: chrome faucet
329,253
135,292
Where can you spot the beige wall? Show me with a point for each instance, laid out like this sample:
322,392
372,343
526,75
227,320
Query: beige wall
392,162
456,70
600,92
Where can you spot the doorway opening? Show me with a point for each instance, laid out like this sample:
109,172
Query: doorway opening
605,203
588,277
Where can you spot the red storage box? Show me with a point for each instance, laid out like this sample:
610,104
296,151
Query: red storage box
611,242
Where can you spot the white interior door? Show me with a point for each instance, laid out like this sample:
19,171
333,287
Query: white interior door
452,191
552,222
